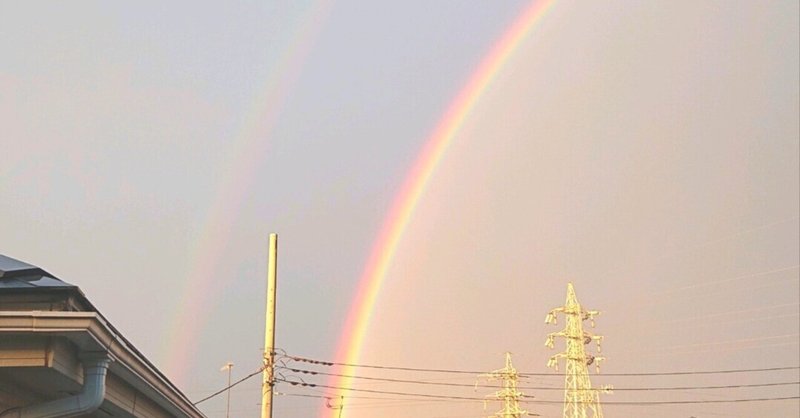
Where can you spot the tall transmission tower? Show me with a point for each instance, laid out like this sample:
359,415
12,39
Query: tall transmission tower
509,394
580,400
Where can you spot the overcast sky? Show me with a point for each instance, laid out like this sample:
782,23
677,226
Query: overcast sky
645,151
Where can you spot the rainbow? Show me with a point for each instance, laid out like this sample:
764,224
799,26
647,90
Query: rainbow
406,200
246,151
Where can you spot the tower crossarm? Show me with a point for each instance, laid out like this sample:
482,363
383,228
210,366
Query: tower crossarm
550,342
551,317
553,362
589,315
590,359
504,394
598,339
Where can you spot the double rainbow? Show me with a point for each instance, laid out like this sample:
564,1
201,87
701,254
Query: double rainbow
248,148
415,184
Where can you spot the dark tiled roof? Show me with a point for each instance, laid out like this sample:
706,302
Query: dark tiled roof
15,274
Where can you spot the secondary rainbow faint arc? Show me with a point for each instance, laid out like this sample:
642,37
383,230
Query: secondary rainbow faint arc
417,179
249,148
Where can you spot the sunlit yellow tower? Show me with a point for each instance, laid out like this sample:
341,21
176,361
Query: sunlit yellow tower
509,394
580,400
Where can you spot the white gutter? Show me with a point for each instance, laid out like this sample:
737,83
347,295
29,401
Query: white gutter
93,333
95,366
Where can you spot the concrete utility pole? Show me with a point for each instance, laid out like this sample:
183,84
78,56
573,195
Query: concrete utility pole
509,394
267,384
580,400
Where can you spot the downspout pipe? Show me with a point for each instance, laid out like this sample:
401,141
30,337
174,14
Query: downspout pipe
95,368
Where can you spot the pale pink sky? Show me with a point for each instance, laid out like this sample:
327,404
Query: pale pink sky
646,151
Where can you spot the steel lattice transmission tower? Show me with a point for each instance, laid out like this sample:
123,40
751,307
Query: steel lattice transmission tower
509,394
580,400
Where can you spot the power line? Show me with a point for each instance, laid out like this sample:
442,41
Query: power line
754,385
736,278
467,385
727,343
373,398
432,396
643,403
690,247
452,371
631,403
378,401
734,312
383,379
366,366
260,369
384,392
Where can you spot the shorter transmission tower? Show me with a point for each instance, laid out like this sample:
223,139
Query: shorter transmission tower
580,400
509,394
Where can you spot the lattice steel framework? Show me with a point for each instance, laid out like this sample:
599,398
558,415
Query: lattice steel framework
580,400
509,394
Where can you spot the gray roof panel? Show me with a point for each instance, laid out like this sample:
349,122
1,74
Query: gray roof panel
10,265
31,282
15,274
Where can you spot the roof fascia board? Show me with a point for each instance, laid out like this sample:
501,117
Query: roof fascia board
129,365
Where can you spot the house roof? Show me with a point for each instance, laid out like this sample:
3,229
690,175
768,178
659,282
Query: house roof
84,325
15,274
